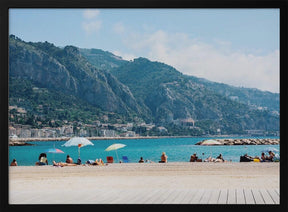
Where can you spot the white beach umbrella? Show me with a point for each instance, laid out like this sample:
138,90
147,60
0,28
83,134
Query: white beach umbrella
78,141
115,147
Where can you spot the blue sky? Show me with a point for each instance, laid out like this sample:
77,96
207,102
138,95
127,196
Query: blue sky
235,46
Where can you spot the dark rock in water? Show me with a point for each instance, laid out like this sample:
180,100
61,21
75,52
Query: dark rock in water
20,143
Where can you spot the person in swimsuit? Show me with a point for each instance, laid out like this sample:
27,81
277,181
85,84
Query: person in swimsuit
163,158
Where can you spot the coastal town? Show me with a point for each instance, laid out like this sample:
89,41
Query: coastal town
82,130
98,129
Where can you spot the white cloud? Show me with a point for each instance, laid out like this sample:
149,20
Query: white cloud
91,26
216,62
119,28
90,13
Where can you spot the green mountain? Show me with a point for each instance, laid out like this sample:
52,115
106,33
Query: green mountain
65,71
97,82
172,96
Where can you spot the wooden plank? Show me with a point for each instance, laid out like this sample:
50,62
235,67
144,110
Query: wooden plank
223,196
267,198
274,195
240,198
127,196
231,196
161,195
214,196
205,197
184,195
257,196
116,196
135,196
94,196
179,196
189,196
197,197
277,191
170,196
107,196
249,199
158,196
143,196
151,196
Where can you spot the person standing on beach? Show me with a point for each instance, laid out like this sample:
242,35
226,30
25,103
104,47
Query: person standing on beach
163,158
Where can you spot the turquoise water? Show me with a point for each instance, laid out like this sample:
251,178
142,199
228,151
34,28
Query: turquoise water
177,150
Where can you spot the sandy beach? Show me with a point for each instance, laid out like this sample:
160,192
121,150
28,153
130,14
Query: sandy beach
146,183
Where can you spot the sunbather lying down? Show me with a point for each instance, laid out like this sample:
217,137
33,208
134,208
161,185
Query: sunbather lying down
96,162
63,164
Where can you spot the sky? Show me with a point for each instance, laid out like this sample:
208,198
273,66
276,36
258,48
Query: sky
238,47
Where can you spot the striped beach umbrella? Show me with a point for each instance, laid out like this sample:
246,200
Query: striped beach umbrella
54,150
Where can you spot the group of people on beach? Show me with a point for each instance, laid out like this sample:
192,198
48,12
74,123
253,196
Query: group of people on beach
42,160
271,157
219,158
163,159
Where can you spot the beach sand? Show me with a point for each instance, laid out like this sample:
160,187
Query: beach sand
146,183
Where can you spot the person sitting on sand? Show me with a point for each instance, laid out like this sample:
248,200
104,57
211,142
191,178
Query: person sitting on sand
263,157
271,156
69,159
141,160
193,158
78,161
219,158
163,158
42,160
14,163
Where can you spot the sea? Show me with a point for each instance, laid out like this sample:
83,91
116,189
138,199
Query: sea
177,150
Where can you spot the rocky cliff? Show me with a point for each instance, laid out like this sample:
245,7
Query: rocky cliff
65,70
139,89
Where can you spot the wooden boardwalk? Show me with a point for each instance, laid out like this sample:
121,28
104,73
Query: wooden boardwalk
151,183
151,196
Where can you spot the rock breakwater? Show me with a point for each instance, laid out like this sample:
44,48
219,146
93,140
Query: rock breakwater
246,141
